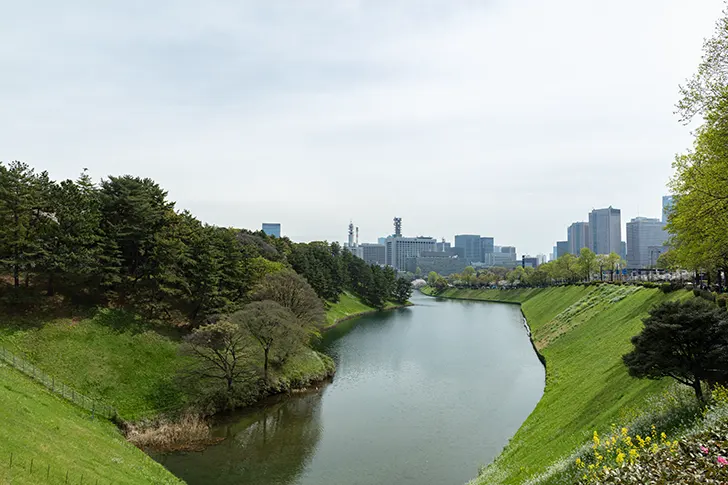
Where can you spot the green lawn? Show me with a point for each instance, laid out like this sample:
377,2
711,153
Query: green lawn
42,427
112,356
348,306
583,333
117,358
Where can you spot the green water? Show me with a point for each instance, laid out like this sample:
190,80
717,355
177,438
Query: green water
422,395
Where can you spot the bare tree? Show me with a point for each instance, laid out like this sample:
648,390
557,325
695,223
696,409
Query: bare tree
271,325
223,353
292,291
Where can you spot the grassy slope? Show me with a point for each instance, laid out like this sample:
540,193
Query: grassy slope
582,333
112,357
348,306
40,426
123,362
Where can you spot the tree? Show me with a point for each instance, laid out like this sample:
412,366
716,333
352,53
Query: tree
687,341
432,278
614,263
222,352
292,291
402,291
271,325
587,262
25,216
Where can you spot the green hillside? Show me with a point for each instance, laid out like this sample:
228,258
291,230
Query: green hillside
60,438
582,332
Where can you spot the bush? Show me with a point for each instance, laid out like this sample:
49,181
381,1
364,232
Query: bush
666,287
649,284
721,300
696,292
707,295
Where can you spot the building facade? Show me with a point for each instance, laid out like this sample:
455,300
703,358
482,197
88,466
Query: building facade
605,226
578,237
645,242
399,248
562,247
487,246
272,229
667,201
373,253
471,245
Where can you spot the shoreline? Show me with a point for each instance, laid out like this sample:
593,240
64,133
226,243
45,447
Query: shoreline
363,314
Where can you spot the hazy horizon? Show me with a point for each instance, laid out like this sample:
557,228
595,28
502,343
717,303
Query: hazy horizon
503,119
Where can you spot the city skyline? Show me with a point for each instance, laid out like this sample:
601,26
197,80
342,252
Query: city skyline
359,105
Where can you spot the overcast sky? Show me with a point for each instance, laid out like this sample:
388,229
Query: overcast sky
502,118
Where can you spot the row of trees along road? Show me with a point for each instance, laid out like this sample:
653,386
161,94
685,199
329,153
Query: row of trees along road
688,341
698,221
566,269
123,241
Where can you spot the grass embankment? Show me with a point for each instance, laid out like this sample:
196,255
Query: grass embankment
125,362
582,332
350,306
60,438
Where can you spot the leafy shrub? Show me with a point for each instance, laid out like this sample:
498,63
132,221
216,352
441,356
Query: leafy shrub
707,295
721,300
696,292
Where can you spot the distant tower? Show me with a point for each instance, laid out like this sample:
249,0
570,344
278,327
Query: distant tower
357,236
398,227
351,234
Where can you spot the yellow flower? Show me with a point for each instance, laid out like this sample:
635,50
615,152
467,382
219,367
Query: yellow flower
620,458
633,455
624,431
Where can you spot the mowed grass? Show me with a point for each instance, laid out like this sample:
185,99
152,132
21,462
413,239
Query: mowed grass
60,438
112,356
348,306
116,357
583,333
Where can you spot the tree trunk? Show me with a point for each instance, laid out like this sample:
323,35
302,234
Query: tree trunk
698,390
16,275
229,384
50,291
265,363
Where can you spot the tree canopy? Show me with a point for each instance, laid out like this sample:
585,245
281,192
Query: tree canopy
687,341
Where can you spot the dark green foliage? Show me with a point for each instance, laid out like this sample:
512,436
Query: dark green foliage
696,292
687,341
402,291
122,242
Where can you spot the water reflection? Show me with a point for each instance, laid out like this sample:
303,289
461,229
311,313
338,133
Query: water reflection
271,445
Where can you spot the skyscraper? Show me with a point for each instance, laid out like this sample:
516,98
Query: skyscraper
645,242
667,201
487,246
562,247
272,229
605,226
471,244
578,237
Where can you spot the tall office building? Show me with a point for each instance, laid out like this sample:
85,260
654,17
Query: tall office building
667,201
272,229
605,226
399,248
645,242
562,247
443,246
578,237
471,244
486,247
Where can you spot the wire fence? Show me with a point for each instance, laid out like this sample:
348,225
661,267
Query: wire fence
24,470
94,406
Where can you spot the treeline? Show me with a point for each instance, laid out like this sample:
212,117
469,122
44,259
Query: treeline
565,270
122,241
698,221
